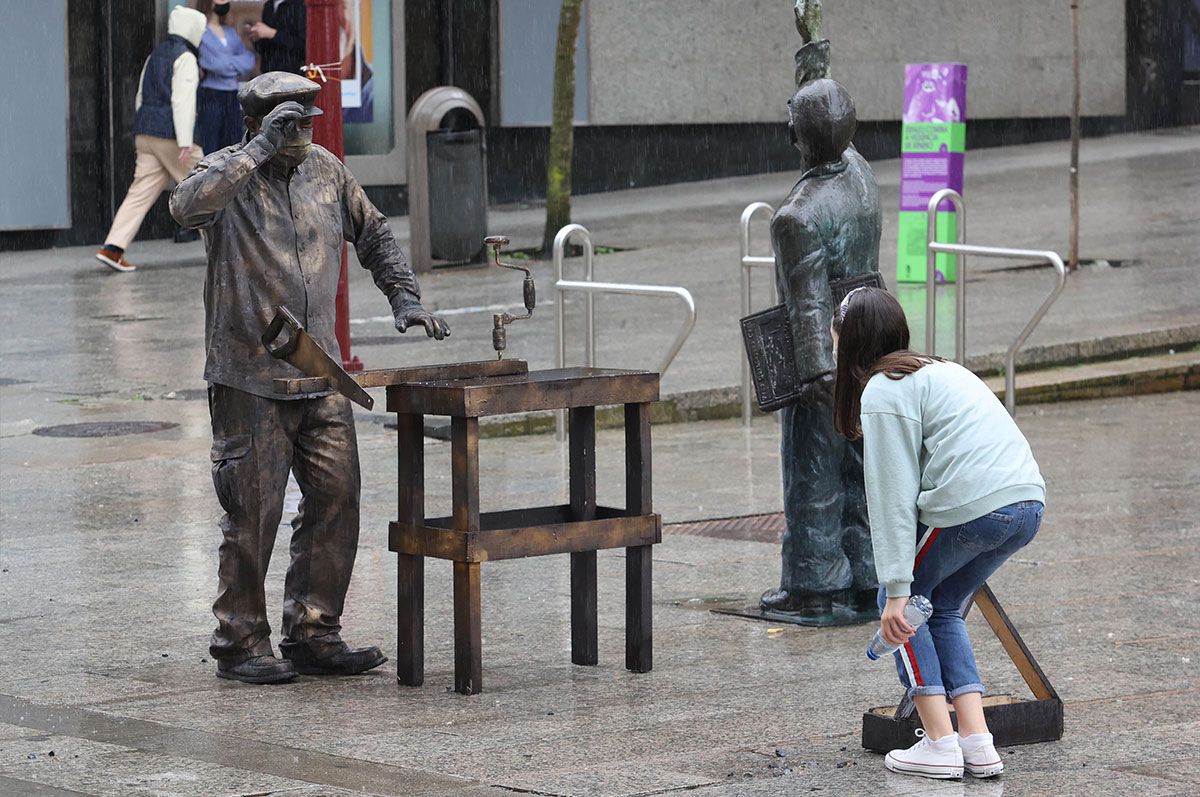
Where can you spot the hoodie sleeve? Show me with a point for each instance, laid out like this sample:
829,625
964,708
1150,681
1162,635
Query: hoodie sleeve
137,103
892,477
185,78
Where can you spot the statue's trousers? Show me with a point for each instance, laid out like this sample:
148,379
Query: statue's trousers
827,543
257,441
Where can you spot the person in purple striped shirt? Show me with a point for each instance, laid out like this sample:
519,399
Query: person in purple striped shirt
224,60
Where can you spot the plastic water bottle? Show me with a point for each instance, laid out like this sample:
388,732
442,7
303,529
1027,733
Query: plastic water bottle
916,612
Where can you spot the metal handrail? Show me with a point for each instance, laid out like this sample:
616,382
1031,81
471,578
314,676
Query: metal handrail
560,245
590,288
750,262
962,249
960,341
1010,357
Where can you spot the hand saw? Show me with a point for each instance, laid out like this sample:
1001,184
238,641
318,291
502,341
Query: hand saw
306,354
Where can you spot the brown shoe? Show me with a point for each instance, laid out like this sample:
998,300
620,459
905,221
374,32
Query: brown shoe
114,258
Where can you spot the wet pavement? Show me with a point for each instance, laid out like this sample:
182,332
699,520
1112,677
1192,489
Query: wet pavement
108,547
108,558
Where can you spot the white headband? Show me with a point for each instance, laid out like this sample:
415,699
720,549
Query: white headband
845,305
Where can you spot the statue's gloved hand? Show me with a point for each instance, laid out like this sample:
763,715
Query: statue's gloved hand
408,312
275,124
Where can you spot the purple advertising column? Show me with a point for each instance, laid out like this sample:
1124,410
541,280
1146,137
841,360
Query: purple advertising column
932,142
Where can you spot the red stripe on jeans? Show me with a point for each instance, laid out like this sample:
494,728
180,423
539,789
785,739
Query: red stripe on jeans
925,548
912,659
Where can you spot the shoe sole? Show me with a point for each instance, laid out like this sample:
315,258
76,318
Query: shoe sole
315,669
940,772
256,679
115,265
984,770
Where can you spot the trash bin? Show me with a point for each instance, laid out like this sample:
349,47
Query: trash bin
457,194
446,161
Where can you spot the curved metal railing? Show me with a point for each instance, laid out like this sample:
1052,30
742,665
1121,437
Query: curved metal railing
960,341
589,287
961,249
749,263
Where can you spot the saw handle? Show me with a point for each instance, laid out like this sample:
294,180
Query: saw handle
283,317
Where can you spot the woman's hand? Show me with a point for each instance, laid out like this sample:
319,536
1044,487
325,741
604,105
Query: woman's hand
896,631
261,30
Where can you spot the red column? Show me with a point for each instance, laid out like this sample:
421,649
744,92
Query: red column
323,47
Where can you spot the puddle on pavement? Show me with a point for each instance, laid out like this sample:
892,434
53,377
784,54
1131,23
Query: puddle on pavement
104,428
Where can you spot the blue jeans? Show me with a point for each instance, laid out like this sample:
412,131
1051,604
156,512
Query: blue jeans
950,567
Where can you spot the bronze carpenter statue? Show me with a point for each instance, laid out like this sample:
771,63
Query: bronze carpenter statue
275,210
827,230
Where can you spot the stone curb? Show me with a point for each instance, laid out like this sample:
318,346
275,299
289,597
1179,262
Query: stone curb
1141,375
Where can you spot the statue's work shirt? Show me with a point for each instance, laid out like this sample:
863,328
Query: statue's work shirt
275,238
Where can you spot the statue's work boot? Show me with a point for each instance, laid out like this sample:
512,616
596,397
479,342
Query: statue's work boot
256,670
805,604
343,660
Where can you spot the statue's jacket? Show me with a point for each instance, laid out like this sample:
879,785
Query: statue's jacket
827,229
274,237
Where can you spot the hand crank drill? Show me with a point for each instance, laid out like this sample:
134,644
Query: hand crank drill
500,320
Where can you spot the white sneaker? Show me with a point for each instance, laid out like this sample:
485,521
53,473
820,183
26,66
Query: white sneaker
927,758
979,755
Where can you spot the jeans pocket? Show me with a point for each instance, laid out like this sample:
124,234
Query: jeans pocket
987,532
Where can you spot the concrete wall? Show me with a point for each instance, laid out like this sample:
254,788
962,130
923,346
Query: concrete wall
696,61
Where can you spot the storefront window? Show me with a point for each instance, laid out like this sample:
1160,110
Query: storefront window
367,76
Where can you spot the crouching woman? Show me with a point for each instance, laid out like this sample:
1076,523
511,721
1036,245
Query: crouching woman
952,492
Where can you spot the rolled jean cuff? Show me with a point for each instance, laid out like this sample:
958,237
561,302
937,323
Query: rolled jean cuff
921,691
962,690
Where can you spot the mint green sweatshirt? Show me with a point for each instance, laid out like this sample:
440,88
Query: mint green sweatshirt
939,448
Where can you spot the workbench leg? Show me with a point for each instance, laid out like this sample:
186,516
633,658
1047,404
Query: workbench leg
410,619
639,627
584,621
410,570
468,638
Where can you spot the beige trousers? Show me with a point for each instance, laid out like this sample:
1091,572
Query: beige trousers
157,165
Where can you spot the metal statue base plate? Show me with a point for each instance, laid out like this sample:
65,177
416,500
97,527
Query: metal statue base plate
839,616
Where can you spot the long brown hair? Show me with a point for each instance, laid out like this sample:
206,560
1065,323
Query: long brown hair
873,339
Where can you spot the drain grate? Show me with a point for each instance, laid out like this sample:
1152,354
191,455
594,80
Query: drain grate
103,428
751,528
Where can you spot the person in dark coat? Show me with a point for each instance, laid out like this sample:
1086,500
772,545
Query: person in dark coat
279,37
275,210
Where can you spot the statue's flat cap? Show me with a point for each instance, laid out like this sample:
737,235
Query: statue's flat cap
259,96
